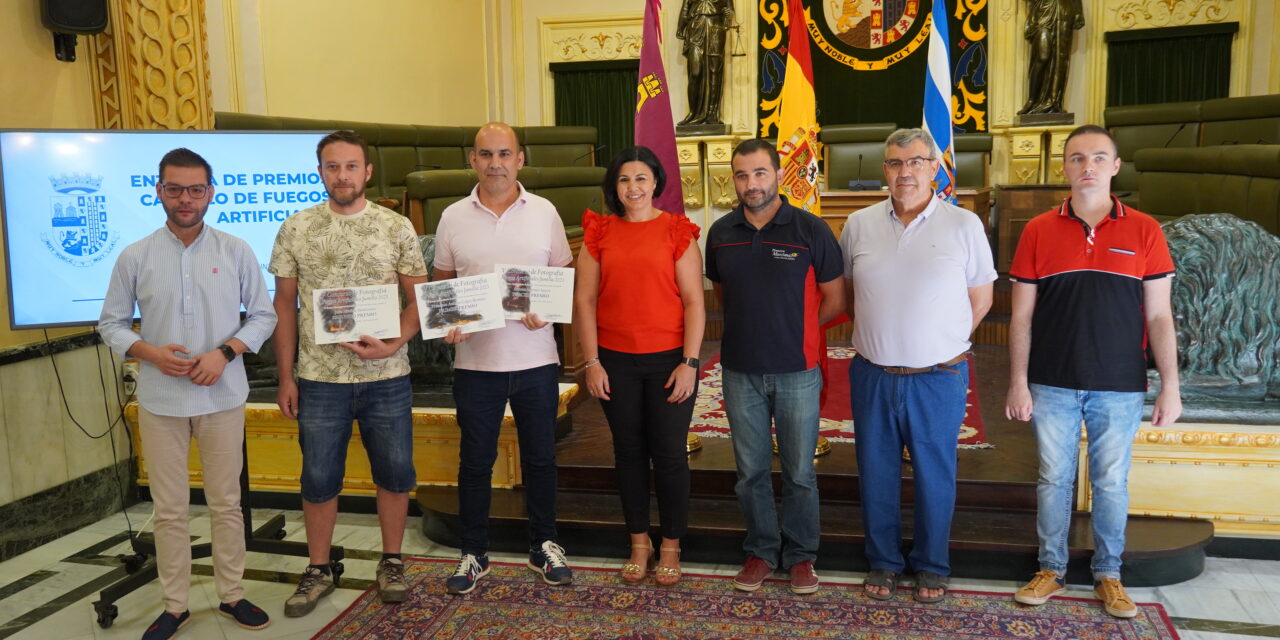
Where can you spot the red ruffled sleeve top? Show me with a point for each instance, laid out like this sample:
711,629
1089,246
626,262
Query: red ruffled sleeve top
639,309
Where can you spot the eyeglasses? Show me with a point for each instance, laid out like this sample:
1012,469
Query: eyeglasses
915,163
197,191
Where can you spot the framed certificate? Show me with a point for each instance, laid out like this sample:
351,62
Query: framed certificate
472,303
344,314
545,291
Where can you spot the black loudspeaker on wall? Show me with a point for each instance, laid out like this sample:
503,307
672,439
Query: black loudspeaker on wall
67,18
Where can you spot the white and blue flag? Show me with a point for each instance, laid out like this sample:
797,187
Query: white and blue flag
937,101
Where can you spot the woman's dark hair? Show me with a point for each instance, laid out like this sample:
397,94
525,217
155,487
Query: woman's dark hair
630,154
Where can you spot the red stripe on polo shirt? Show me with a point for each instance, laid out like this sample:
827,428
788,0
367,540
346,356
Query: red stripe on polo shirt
812,332
1126,243
783,244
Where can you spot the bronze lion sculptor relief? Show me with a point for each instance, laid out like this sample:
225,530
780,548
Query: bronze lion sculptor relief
1226,304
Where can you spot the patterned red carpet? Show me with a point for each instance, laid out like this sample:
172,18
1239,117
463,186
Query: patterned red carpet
709,418
512,603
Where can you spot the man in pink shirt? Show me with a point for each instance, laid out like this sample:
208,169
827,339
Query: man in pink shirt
500,222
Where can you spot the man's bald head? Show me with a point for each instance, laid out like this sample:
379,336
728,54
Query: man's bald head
497,132
497,159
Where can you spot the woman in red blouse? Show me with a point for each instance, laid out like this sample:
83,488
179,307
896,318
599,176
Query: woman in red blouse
639,318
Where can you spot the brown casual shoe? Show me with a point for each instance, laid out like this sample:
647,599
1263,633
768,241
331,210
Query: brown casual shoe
1043,586
1114,600
315,584
752,574
391,585
803,578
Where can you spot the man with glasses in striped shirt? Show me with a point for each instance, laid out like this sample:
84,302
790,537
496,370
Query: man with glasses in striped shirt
189,282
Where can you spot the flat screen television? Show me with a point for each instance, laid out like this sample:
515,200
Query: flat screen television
70,201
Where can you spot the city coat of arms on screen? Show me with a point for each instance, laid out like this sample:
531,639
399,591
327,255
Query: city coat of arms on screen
78,233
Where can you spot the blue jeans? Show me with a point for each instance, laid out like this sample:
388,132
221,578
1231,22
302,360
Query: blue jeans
481,398
383,408
922,411
1112,418
788,401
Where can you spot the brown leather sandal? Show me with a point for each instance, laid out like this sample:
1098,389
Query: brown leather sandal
667,576
632,573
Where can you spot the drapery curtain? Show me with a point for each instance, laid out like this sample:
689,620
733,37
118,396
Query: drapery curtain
1175,64
602,95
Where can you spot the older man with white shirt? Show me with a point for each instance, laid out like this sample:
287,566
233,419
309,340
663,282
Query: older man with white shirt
920,275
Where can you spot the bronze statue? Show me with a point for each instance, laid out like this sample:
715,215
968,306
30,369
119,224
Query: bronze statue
1051,26
704,26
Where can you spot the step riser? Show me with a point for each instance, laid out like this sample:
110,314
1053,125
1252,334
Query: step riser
725,548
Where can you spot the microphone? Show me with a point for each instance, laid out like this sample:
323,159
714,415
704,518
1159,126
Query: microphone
857,184
599,147
1175,134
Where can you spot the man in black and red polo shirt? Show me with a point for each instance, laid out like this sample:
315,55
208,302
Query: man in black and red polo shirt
1091,291
777,270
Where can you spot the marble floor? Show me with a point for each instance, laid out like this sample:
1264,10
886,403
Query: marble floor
47,592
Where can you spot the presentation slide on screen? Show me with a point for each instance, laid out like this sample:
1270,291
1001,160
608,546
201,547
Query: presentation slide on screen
72,200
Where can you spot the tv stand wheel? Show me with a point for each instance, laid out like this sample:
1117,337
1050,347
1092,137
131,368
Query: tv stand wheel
132,562
106,614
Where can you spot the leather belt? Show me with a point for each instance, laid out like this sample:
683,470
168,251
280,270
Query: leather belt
910,370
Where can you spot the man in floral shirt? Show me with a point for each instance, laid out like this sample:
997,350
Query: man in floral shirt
346,242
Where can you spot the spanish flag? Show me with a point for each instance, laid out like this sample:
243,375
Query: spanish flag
797,117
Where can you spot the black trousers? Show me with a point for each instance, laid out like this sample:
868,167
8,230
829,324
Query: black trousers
646,428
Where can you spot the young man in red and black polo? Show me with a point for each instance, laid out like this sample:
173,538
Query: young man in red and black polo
1092,280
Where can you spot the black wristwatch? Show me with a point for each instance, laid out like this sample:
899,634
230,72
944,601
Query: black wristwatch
693,362
228,352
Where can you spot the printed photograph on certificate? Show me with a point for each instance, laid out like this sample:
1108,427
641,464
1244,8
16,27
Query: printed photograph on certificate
346,313
545,291
472,303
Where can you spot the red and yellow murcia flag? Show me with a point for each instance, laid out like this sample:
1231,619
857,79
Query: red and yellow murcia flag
655,128
797,118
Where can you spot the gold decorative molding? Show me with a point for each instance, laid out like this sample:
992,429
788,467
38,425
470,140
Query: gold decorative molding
1025,171
1207,438
726,195
691,181
583,39
151,67
103,72
581,47
275,459
719,153
1145,14
1197,470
